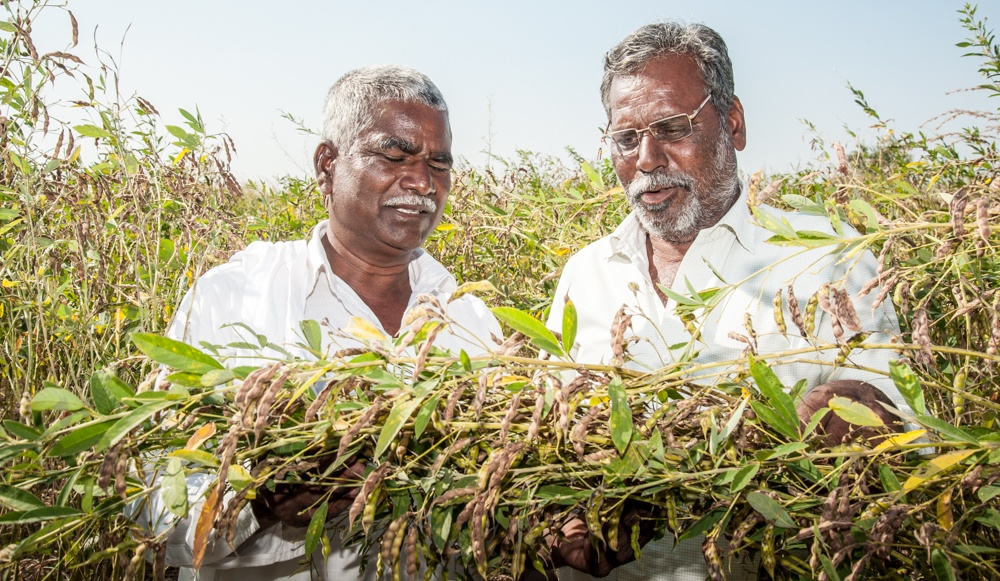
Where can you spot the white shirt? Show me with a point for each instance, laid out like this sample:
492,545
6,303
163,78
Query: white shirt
271,288
614,271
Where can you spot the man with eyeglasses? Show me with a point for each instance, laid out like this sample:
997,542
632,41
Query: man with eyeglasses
674,127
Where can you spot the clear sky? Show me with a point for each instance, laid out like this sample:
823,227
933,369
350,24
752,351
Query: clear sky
523,75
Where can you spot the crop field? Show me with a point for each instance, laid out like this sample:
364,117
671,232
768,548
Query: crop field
105,225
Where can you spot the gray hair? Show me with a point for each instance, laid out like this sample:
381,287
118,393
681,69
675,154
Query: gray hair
351,101
673,38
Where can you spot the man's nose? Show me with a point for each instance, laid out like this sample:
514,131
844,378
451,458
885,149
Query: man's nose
419,179
651,154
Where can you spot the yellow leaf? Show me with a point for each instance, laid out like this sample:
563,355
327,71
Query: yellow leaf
75,154
855,413
196,456
203,433
944,516
181,155
8,283
935,466
478,286
206,522
362,329
900,440
238,477
445,226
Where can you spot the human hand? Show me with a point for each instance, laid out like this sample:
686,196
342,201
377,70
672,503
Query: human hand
836,430
573,548
294,503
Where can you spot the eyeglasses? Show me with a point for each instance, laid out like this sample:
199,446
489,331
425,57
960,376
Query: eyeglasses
670,129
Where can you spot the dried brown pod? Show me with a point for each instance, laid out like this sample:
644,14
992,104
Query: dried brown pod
921,336
364,420
795,311
846,313
621,323
957,208
983,225
266,401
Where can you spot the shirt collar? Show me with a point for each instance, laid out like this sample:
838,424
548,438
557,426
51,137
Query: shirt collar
426,274
629,238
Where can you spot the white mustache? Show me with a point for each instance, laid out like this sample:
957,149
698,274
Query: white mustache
657,180
420,202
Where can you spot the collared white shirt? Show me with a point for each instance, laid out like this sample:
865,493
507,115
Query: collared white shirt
614,272
270,288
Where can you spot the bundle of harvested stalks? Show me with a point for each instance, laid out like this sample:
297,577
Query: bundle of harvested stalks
472,464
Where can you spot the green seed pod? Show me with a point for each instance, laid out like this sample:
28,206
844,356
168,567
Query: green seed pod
779,313
958,396
810,318
593,516
634,537
613,519
767,550
396,550
672,522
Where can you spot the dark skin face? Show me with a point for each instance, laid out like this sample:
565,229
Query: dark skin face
405,152
385,195
665,86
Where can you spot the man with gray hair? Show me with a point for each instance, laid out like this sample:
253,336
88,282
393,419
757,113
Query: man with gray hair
674,127
384,171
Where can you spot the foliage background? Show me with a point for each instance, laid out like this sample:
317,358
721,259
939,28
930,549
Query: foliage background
99,246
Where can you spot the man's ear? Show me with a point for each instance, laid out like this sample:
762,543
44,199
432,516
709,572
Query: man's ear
737,124
324,162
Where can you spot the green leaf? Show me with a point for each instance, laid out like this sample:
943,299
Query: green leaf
174,485
986,493
908,385
317,528
400,412
174,354
108,391
424,415
67,488
216,377
772,390
888,478
129,422
946,429
21,431
38,515
770,222
80,439
704,523
8,452
440,526
855,413
743,477
466,362
942,566
770,509
17,499
92,131
990,518
312,334
569,324
621,415
531,327
774,420
55,398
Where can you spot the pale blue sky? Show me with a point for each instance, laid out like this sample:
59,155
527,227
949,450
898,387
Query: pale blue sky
520,74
